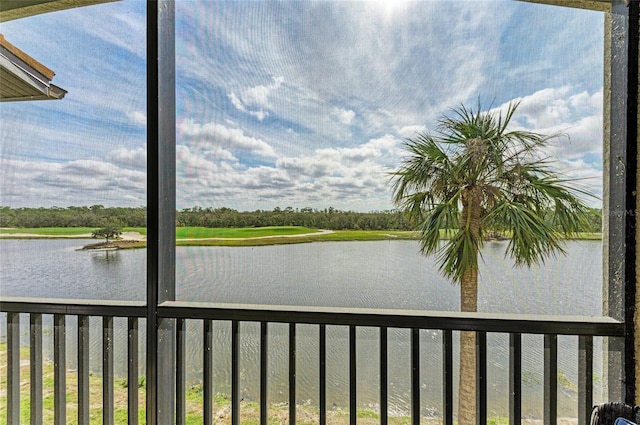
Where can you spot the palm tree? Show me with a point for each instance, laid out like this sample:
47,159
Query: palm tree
475,176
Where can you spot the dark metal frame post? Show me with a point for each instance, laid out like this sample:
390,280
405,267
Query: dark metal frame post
35,371
161,191
615,206
13,367
550,379
515,379
585,378
632,180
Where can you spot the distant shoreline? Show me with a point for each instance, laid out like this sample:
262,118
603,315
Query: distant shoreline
134,238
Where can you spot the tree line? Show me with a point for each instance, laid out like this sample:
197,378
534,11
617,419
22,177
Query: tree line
327,218
92,216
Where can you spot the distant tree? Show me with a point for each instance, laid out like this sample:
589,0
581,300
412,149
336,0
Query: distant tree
475,176
109,231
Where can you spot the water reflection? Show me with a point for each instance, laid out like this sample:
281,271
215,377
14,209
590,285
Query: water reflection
107,257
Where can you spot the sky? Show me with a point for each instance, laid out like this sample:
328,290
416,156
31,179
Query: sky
301,104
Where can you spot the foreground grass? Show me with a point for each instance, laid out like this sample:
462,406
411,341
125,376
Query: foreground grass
278,413
250,411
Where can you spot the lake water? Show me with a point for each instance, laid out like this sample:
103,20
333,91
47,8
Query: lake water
385,275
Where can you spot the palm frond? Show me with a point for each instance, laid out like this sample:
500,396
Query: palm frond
442,217
458,255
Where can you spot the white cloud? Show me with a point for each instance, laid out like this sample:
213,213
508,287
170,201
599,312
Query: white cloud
343,115
78,182
135,158
576,117
326,176
259,95
220,135
138,117
256,97
564,112
411,130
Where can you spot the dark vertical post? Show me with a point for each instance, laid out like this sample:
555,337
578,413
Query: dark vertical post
550,379
153,206
415,376
264,326
107,370
631,201
384,376
161,191
181,414
132,371
615,208
481,371
353,407
235,372
322,348
36,368
207,372
515,379
447,376
13,368
292,375
585,378
59,370
83,370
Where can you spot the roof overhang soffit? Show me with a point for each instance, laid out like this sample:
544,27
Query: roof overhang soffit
16,9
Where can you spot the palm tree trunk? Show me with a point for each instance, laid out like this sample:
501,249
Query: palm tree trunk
471,212
467,388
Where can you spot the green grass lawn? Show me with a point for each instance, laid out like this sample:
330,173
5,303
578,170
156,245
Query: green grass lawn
64,231
141,230
249,236
50,231
243,232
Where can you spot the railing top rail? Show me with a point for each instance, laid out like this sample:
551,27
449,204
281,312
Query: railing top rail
89,307
488,322
446,320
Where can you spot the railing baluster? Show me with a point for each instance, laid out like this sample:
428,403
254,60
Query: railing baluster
235,372
585,378
59,370
353,413
107,370
207,372
292,374
35,323
322,351
447,376
83,370
481,370
181,414
415,376
13,368
263,374
384,376
132,371
550,379
515,379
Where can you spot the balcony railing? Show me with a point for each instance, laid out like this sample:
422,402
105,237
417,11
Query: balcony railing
585,328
